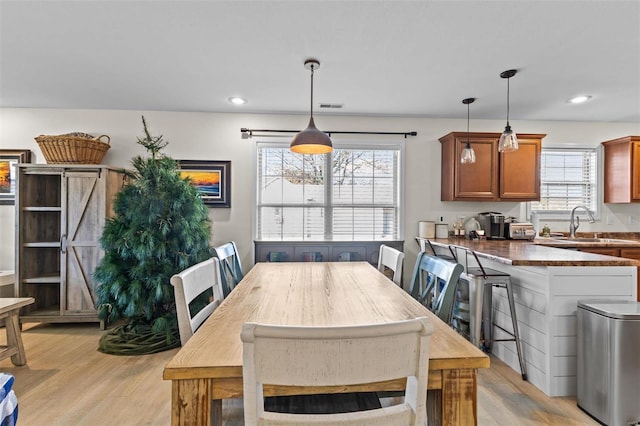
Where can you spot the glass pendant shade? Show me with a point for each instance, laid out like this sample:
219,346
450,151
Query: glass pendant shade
468,155
311,140
508,140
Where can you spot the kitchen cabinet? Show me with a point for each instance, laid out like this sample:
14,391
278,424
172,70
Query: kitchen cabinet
495,176
608,251
622,170
60,213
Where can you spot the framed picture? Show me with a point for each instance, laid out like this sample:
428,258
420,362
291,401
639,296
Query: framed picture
212,178
8,159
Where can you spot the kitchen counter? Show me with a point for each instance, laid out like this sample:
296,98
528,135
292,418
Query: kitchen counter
538,253
577,243
548,282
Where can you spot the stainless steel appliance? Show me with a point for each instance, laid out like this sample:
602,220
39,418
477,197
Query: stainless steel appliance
520,231
493,225
608,364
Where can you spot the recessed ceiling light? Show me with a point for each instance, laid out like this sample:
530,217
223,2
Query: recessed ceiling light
237,100
579,99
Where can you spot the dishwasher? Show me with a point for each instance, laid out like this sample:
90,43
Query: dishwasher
608,375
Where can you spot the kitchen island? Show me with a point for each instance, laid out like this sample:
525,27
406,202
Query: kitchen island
547,284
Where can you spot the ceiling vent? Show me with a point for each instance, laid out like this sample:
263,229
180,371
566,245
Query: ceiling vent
331,106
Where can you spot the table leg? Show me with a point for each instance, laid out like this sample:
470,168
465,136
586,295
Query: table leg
216,412
191,403
434,407
459,397
14,338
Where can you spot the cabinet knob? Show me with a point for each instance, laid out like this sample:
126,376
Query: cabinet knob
63,243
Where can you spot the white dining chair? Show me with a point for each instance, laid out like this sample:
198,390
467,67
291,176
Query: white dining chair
197,288
230,267
390,258
337,356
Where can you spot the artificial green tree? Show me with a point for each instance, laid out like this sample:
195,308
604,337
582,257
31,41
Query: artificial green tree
160,228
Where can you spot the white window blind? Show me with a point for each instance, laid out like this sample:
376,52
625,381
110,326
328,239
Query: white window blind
351,194
568,178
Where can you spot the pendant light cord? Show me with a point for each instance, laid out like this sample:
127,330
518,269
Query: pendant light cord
312,66
507,98
468,124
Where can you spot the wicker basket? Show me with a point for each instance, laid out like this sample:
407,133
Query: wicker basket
73,148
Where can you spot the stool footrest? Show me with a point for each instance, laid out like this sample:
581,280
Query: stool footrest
488,273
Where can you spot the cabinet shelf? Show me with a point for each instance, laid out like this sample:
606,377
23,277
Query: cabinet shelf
43,244
43,279
41,209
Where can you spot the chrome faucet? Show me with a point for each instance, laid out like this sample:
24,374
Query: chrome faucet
575,220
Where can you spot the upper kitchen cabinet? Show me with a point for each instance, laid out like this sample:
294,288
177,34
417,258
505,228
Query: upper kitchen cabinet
622,170
507,176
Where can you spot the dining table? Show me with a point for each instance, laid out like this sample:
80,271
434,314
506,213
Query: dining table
208,368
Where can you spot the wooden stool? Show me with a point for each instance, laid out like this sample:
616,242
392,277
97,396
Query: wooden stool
9,310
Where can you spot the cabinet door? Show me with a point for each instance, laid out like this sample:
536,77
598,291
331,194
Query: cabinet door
635,175
477,181
608,251
520,172
622,170
83,221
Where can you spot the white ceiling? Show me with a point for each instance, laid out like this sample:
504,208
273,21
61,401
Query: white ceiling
398,58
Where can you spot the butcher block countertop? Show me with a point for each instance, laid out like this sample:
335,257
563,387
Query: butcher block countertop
529,253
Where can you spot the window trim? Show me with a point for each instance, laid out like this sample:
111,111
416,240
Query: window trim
278,142
563,216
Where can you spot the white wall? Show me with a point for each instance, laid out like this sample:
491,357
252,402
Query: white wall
210,136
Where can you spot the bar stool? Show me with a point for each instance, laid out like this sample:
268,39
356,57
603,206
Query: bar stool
481,324
424,242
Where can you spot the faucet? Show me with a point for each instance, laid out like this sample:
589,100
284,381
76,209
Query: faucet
575,220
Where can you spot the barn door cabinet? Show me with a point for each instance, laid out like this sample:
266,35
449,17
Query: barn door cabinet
495,176
60,213
622,170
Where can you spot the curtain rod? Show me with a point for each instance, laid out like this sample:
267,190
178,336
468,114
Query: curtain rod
248,133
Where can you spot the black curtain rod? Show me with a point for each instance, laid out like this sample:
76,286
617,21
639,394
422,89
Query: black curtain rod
248,133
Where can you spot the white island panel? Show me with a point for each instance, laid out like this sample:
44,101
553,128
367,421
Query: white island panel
546,300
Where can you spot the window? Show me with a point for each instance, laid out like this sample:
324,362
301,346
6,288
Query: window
348,195
567,179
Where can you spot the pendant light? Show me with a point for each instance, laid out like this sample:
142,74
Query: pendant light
468,154
508,139
311,140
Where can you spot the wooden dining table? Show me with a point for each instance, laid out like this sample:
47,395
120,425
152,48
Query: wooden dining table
208,368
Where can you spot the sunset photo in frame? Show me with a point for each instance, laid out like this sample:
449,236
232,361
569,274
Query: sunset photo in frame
212,178
8,159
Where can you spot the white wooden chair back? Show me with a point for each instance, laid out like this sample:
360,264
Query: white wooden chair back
391,258
187,286
230,267
337,356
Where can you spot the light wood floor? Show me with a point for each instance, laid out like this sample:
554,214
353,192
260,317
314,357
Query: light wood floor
68,382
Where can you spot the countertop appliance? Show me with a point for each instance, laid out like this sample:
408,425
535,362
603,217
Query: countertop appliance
520,231
493,225
608,367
